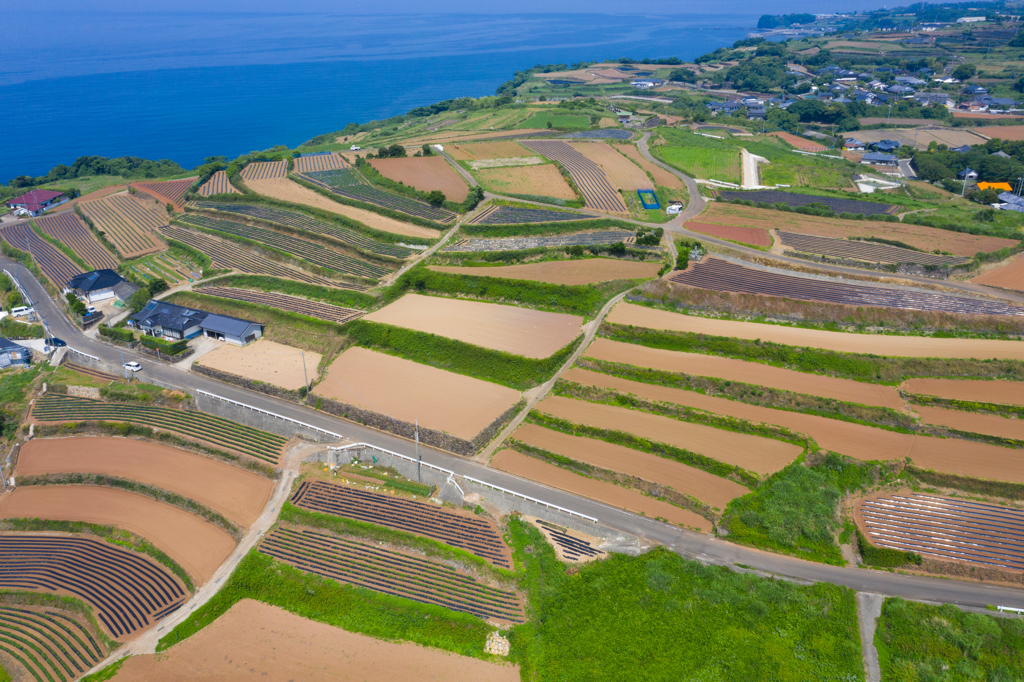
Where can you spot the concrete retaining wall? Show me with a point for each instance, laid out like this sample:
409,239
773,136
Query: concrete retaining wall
260,420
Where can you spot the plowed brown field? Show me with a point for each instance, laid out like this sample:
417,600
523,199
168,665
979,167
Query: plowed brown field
238,494
286,190
747,372
755,236
706,487
622,173
472,151
965,458
898,346
975,390
607,493
521,331
1015,133
256,641
1009,276
425,173
918,236
405,390
662,177
990,424
266,361
573,272
537,180
799,142
760,455
197,545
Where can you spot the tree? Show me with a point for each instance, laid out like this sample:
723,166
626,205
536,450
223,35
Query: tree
157,286
1017,40
436,197
986,196
964,71
682,76
139,300
549,125
427,151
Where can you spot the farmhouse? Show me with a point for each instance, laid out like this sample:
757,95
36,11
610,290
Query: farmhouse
13,355
231,329
876,159
35,202
99,285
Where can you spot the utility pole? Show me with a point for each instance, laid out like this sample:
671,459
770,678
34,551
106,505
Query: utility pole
419,458
304,377
124,368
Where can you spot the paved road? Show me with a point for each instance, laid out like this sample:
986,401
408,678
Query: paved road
687,543
907,171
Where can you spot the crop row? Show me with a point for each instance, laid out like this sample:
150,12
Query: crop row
127,591
318,161
521,243
49,644
228,434
513,215
169,190
69,229
587,175
126,223
305,222
793,200
389,572
865,251
378,197
316,254
54,264
265,170
294,304
229,255
474,535
217,184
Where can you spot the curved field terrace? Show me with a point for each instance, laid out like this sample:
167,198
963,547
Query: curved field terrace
347,183
129,224
238,494
974,390
69,229
514,215
543,181
48,644
753,236
520,331
169,191
864,251
293,304
217,184
425,173
520,243
54,264
570,272
622,173
1009,276
318,161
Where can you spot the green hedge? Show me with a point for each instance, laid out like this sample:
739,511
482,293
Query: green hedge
885,557
115,333
168,347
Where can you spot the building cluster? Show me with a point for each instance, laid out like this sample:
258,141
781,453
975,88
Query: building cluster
175,322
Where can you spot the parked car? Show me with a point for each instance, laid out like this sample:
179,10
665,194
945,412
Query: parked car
90,309
22,311
133,366
57,343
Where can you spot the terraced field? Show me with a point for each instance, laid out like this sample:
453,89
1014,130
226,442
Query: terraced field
720,275
128,592
68,229
317,254
390,572
220,432
347,183
770,196
217,184
294,304
475,535
520,243
127,223
513,215
169,191
228,255
49,644
265,170
588,176
864,251
318,161
304,222
54,264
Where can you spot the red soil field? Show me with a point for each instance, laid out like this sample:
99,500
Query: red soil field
847,390
754,236
1009,276
518,464
990,424
169,191
238,494
713,490
965,458
1015,133
622,173
197,545
760,455
800,143
425,173
982,116
973,390
256,641
897,346
572,272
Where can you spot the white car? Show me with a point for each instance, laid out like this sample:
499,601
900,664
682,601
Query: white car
21,311
133,366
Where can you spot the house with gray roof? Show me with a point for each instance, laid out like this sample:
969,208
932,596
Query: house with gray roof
231,329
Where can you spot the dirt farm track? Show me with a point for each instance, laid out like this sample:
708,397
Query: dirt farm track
255,641
238,494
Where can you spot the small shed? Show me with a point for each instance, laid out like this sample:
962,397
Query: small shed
13,355
968,175
231,329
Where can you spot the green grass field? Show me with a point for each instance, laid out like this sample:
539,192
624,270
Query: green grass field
557,120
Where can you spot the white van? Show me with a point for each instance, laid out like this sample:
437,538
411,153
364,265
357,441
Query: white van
22,311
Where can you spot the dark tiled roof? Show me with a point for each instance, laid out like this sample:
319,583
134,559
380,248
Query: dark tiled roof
168,316
229,326
95,280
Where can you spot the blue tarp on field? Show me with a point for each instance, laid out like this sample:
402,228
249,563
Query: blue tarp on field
648,198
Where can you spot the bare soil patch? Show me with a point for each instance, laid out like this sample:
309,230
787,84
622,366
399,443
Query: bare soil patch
760,455
286,190
425,173
974,390
95,194
990,424
405,390
617,496
572,272
799,142
472,151
256,641
521,331
238,494
918,236
454,136
1009,276
661,176
754,236
755,373
197,545
878,344
706,487
266,361
537,180
982,116
1015,133
622,173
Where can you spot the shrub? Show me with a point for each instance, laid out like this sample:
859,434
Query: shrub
885,557
168,347
119,334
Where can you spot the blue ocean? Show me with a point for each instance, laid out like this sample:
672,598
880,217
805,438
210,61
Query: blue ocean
184,86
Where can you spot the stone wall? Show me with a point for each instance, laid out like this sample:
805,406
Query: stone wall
164,357
259,420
